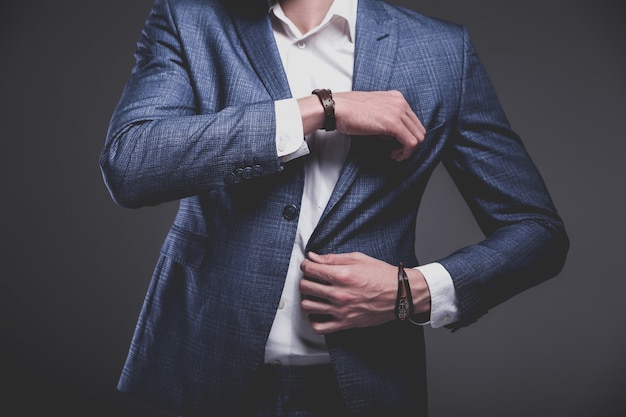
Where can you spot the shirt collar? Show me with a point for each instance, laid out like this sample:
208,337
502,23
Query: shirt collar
343,9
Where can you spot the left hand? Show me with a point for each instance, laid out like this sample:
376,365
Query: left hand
356,290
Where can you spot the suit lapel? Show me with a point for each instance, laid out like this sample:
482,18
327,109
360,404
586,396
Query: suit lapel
258,41
375,49
376,43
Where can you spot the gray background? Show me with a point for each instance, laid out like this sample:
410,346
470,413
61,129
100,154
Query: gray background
75,267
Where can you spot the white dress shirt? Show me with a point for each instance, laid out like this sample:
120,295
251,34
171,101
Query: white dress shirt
322,58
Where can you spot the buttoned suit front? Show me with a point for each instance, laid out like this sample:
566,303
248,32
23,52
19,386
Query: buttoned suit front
196,123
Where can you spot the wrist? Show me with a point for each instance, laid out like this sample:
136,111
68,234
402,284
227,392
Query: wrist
325,97
404,297
312,114
420,295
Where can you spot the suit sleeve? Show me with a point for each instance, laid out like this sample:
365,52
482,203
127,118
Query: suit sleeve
159,147
525,242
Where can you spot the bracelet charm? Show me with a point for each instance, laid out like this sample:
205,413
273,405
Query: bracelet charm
404,300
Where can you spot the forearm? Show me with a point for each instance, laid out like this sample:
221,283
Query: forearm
147,162
312,114
510,261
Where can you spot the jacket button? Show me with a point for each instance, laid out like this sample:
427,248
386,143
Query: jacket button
247,173
239,174
290,212
257,170
231,178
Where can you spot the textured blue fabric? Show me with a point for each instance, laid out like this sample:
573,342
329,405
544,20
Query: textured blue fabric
196,123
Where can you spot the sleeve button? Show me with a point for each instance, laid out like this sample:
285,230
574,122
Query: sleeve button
231,178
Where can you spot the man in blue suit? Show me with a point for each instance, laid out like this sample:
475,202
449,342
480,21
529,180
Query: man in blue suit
299,139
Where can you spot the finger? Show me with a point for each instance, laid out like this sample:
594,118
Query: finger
324,325
409,134
315,306
334,258
400,154
420,130
409,119
314,290
315,272
327,259
408,144
320,315
412,134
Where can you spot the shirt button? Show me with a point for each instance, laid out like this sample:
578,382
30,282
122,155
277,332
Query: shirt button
301,44
281,304
446,320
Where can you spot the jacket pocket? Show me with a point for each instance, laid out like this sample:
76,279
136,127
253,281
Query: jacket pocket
372,153
185,248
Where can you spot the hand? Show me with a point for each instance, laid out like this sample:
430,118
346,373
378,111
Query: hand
382,113
342,291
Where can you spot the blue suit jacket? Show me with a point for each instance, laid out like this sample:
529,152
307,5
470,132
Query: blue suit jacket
196,124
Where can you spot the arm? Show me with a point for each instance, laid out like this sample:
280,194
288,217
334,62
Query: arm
360,113
158,147
354,290
525,242
174,134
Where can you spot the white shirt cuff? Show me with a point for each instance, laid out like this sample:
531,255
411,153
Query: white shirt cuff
444,305
290,142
